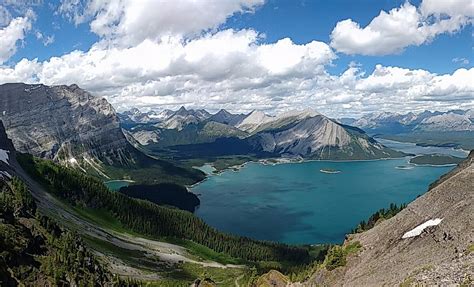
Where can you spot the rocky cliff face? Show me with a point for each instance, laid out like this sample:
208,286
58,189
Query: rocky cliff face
62,122
321,138
429,243
69,125
393,123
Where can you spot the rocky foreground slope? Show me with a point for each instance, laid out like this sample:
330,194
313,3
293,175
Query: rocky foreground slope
429,243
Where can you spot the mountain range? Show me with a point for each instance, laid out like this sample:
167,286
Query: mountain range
395,123
306,134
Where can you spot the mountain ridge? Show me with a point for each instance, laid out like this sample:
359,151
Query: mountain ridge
73,127
304,133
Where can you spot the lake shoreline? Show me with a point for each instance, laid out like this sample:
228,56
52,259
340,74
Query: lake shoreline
306,200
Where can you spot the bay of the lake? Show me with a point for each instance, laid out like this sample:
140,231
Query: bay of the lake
297,203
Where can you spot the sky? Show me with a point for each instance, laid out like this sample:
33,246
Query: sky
339,57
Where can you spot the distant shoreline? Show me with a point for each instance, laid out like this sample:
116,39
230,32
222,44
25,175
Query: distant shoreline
299,160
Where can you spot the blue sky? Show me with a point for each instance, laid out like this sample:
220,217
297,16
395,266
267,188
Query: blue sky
300,20
321,38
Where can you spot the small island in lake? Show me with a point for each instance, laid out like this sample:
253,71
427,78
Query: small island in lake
404,167
329,170
435,159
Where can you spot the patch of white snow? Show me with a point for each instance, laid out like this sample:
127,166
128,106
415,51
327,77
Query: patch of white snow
417,230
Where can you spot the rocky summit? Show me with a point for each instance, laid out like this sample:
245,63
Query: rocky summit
62,122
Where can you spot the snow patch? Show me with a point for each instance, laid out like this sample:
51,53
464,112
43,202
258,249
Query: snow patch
417,230
4,156
72,160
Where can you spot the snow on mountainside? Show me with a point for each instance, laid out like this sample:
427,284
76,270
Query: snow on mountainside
428,243
136,116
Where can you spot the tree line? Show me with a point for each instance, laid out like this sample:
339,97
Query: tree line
153,220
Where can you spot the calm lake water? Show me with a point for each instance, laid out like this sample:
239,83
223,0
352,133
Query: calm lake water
296,203
115,185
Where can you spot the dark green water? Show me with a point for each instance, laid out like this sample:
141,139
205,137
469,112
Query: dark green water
115,185
296,203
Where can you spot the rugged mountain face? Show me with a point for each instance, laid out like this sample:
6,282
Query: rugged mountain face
69,125
297,133
7,151
224,117
135,116
447,122
429,243
321,138
393,123
183,117
62,122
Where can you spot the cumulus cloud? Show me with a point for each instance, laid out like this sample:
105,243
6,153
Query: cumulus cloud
138,63
240,78
15,31
228,66
130,22
392,32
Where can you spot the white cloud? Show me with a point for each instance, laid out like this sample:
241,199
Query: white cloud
207,67
130,21
392,32
11,34
461,61
46,40
24,71
198,74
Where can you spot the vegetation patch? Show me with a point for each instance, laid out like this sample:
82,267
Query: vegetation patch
379,215
435,159
337,255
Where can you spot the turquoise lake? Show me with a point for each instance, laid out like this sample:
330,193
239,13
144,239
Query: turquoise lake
296,203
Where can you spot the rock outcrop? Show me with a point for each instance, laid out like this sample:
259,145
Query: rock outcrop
77,129
64,123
